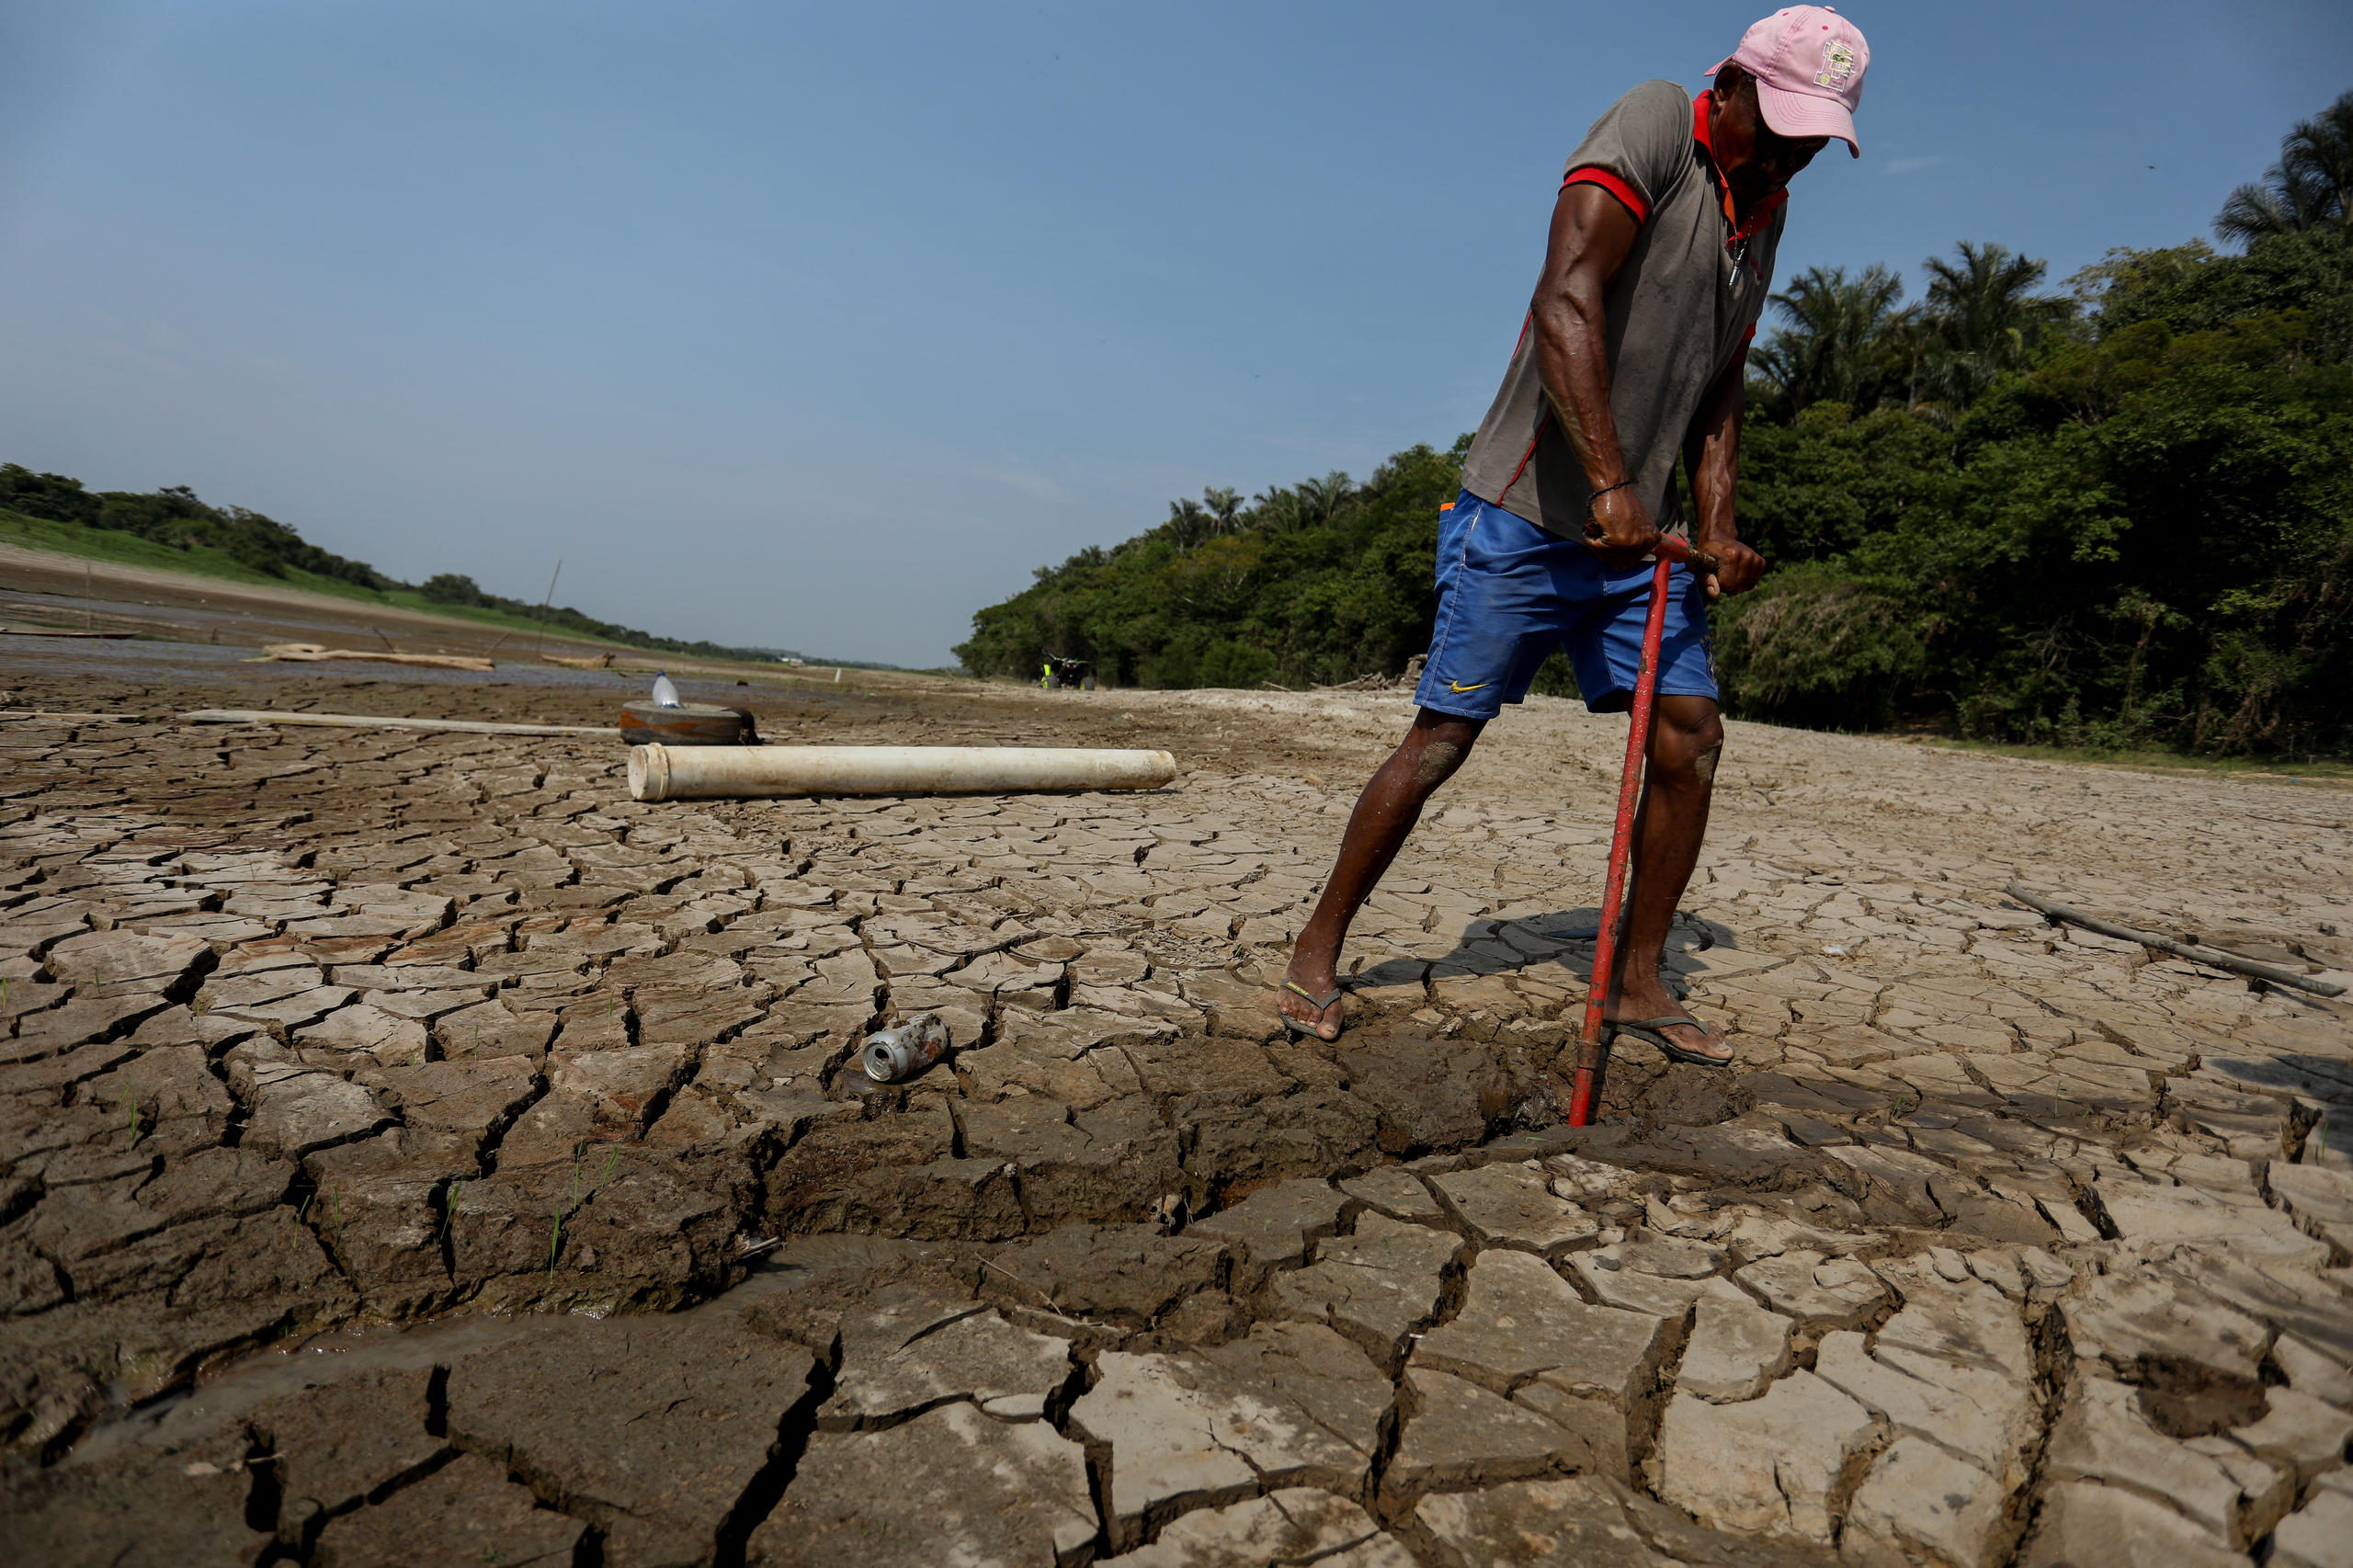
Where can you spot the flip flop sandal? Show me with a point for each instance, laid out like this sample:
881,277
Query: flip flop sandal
1320,1003
1652,1030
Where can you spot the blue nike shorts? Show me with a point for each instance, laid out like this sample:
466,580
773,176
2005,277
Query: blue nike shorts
1509,594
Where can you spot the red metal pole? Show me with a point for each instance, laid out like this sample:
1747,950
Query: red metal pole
1592,1052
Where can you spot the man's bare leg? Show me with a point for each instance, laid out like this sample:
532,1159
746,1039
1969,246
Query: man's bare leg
1392,804
1687,736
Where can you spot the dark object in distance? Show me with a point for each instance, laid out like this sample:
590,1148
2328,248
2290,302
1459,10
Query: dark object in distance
1061,673
689,724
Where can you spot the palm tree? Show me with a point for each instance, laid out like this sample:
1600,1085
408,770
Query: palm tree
1188,525
1982,317
1224,505
2310,188
1275,510
1837,338
1320,499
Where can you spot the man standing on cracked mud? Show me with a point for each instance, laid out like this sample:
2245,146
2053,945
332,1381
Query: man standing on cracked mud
1635,350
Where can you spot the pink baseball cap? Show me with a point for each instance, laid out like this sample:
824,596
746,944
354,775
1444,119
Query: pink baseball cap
1808,62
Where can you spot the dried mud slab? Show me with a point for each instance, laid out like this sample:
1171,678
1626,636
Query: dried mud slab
535,1108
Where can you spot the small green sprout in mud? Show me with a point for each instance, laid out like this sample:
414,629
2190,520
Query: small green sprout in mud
449,1205
612,1160
303,1209
130,1105
555,1241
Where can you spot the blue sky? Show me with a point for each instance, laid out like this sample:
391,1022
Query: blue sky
821,326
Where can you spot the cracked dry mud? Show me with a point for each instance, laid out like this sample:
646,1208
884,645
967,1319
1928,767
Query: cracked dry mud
416,1153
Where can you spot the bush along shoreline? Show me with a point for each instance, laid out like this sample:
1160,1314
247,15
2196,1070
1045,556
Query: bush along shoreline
2113,515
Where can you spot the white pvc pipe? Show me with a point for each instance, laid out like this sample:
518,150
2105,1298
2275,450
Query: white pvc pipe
706,773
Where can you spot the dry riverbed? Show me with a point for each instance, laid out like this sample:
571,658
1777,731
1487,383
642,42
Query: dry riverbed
414,1152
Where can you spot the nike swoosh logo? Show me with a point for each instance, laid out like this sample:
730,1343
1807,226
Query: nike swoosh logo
1460,687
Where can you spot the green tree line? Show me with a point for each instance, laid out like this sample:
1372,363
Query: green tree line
450,588
2115,514
1315,582
175,516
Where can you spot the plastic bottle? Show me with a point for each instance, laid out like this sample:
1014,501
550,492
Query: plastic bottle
900,1053
665,694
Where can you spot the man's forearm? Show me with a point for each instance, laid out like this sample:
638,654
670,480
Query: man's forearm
1711,453
1592,232
1711,456
1573,357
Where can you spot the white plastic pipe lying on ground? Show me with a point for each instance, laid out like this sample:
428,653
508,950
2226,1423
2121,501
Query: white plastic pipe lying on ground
707,773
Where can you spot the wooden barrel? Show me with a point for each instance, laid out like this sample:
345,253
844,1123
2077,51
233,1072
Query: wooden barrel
689,724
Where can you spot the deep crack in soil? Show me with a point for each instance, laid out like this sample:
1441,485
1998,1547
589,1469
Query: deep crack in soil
500,1094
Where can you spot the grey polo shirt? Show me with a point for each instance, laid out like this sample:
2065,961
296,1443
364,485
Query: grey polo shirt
1685,301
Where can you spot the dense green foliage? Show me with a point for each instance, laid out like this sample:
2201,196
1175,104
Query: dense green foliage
2141,535
1313,582
2121,516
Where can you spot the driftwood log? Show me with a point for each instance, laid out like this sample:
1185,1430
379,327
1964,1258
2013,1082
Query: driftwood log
312,654
2212,958
372,722
40,631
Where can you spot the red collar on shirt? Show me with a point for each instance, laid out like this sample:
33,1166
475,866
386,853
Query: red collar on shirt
1765,209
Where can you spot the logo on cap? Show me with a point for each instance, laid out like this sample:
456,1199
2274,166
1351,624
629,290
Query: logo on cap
1837,64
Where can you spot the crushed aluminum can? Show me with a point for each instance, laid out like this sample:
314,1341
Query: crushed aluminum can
900,1053
1169,1213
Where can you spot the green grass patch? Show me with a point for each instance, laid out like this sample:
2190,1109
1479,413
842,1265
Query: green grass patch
409,598
121,548
2317,770
197,560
